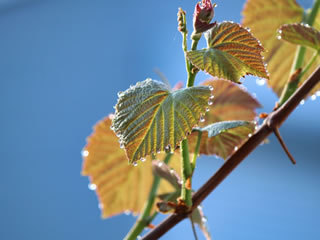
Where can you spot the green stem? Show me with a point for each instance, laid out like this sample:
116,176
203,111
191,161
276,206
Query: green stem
186,168
313,59
196,152
186,172
292,86
145,219
190,67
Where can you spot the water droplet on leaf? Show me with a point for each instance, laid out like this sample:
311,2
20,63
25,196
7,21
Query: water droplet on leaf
92,186
135,164
85,153
142,159
236,148
302,102
127,212
260,82
210,103
313,97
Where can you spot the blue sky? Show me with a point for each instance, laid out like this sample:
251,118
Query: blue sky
62,64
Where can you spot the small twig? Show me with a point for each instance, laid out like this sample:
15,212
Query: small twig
193,228
283,145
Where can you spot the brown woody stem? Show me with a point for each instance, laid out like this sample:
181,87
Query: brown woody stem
283,145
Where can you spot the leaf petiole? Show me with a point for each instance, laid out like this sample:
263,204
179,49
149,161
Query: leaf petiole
196,151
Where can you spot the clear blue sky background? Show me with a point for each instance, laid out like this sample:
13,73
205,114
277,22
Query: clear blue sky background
62,63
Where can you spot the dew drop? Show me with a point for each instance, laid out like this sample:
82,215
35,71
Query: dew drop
160,164
302,102
121,145
280,31
119,94
249,135
112,127
211,97
85,153
142,159
139,237
256,127
202,119
279,37
313,97
248,29
318,93
210,88
207,109
236,148
135,164
127,212
92,186
254,95
204,219
216,5
260,82
158,151
210,102
171,171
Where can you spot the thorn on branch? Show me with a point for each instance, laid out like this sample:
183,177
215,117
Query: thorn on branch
282,143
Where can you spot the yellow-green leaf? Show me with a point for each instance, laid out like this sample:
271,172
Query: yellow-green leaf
232,53
120,187
149,118
230,103
264,17
301,34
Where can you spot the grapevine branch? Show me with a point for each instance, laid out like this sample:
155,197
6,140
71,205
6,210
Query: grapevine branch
273,121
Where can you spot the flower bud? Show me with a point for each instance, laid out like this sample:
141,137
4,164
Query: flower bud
202,16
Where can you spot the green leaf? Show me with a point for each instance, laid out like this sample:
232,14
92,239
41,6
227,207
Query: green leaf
149,118
301,34
232,53
120,187
220,127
